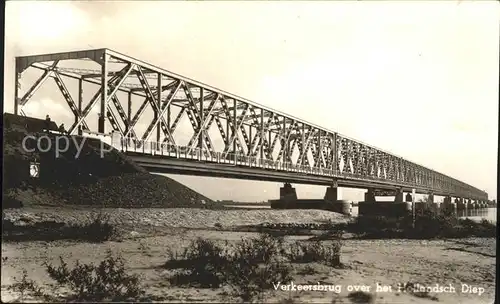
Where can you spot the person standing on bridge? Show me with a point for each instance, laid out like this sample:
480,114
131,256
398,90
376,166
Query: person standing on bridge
47,123
62,130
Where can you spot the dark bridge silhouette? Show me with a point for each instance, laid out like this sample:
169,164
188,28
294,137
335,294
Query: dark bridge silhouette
257,142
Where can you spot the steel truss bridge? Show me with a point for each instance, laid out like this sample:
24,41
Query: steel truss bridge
258,142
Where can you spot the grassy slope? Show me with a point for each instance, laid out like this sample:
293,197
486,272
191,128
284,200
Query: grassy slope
112,181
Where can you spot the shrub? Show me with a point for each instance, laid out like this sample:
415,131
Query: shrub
261,249
106,281
204,263
378,226
315,251
248,267
484,228
98,228
26,287
255,265
360,297
429,225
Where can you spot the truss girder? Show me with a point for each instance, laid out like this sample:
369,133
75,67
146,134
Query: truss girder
114,82
200,122
40,81
203,127
69,100
344,157
161,114
235,125
261,137
285,141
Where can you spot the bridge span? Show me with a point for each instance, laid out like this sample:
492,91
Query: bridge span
257,143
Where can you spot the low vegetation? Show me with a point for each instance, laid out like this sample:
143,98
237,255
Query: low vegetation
426,225
96,229
249,266
315,251
107,281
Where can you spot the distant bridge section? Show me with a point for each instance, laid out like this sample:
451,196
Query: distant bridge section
257,142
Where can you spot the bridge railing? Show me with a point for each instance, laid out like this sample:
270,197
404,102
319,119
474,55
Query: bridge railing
235,159
240,159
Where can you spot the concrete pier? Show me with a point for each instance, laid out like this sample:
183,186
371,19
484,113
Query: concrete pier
447,206
460,204
288,193
288,200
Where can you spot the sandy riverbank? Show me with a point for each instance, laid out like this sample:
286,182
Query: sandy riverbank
367,262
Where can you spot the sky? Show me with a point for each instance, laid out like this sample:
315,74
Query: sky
417,78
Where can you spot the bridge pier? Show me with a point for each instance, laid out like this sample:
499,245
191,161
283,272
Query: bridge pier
288,198
447,206
461,206
331,194
371,207
399,196
370,196
288,193
408,198
333,203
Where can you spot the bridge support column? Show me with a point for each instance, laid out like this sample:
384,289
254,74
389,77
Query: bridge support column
408,198
370,196
430,198
288,198
333,203
399,196
288,193
331,194
460,204
447,207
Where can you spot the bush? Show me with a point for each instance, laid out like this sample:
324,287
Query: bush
484,228
96,230
248,267
315,251
378,226
106,281
249,280
428,225
26,287
255,265
204,262
261,249
360,297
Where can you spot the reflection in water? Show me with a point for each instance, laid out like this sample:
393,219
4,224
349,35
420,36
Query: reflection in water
478,214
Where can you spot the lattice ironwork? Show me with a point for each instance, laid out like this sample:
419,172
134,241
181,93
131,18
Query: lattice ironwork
248,131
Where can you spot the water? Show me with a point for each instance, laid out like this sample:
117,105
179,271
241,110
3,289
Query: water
487,213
